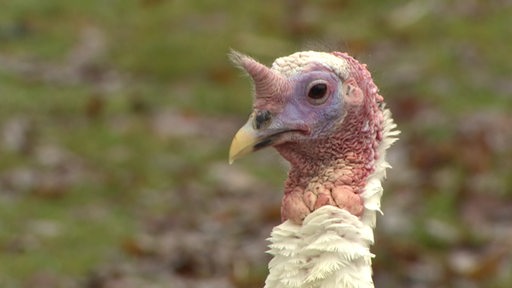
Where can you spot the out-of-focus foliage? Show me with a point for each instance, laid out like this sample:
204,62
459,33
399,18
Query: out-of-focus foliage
116,116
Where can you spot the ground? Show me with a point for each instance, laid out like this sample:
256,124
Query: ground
116,119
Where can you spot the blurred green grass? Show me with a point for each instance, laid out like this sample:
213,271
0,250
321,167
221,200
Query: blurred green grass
172,55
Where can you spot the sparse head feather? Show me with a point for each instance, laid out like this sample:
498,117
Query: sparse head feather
299,61
342,64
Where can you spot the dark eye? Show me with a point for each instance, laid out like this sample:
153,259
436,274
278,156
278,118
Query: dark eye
317,92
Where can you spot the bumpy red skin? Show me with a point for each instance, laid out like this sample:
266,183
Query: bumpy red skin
334,170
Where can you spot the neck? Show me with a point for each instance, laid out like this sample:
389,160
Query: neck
338,238
332,171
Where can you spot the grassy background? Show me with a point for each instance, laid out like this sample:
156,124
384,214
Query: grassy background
116,118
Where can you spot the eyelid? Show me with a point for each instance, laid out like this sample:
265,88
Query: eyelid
317,81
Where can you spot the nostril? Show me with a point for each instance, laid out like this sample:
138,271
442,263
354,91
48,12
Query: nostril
262,119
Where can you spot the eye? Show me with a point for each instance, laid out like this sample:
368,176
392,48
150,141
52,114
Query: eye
317,92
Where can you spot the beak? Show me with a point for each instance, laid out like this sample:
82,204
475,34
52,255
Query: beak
243,142
249,139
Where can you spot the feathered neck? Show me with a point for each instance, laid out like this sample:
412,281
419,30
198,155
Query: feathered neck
330,246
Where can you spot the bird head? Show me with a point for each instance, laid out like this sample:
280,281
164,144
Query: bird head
302,101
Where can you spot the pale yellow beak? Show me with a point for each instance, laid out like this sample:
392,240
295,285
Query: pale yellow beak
243,142
256,134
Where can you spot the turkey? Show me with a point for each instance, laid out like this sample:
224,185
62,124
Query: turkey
324,115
